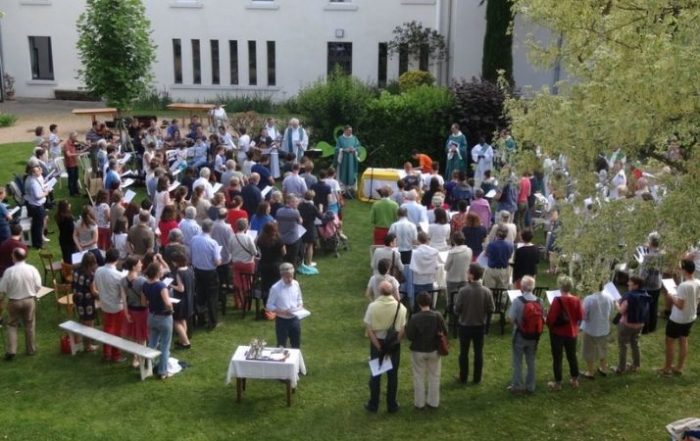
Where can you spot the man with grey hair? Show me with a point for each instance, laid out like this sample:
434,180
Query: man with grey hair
525,312
251,194
504,220
203,181
295,140
229,173
175,245
288,221
416,213
189,226
284,300
222,233
498,252
206,257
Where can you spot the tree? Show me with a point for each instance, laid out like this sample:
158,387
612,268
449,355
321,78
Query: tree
116,50
498,41
635,65
425,44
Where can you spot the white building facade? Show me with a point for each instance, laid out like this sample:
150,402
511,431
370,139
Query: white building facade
216,48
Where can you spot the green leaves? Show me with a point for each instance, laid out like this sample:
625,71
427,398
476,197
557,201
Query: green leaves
116,50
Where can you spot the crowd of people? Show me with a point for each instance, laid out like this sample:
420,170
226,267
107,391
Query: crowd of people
471,237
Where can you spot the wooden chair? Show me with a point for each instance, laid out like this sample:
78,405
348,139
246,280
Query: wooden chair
500,300
49,265
246,292
66,272
64,297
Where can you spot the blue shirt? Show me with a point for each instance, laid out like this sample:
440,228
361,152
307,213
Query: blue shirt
258,222
205,253
499,252
190,228
4,224
287,220
251,199
416,213
264,176
112,180
34,192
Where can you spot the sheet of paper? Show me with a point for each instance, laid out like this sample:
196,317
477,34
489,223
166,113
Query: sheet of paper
219,248
670,286
300,230
378,369
482,260
51,184
124,273
443,256
125,159
13,211
253,234
423,226
177,171
76,258
168,281
127,182
490,194
127,173
218,186
551,295
611,290
266,190
302,313
174,301
514,294
318,222
129,196
173,186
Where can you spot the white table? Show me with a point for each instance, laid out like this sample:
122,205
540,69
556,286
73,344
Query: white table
287,370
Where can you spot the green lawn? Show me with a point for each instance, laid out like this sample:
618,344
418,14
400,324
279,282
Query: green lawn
55,396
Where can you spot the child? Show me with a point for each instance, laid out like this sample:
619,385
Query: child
85,294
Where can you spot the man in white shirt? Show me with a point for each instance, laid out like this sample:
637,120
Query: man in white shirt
20,284
482,155
417,213
203,181
108,284
189,226
243,145
684,307
284,300
406,235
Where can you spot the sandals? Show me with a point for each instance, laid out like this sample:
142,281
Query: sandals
587,375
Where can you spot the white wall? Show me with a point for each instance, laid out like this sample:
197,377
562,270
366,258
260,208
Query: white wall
301,30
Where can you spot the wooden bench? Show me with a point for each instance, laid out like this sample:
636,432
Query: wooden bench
144,354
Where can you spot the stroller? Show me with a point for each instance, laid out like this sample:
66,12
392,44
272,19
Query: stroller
330,238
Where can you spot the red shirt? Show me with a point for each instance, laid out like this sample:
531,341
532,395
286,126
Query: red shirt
6,253
165,227
68,150
525,189
234,214
574,309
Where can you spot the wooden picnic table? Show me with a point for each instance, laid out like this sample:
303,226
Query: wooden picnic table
94,112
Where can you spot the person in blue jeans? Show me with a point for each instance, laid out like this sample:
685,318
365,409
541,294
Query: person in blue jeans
521,345
160,317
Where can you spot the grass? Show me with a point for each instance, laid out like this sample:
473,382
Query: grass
57,397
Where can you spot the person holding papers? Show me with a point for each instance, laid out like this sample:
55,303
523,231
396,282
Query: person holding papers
526,315
85,294
160,317
85,234
383,314
498,253
294,183
684,306
563,319
284,300
634,309
595,326
108,282
289,221
5,217
203,182
206,256
35,197
70,162
112,181
243,252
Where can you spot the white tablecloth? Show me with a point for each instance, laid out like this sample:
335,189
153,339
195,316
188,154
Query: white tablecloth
289,369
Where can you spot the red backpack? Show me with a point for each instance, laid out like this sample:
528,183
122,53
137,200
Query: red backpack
532,323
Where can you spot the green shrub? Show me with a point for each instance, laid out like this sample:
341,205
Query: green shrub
414,78
396,124
153,100
339,100
247,103
479,108
7,119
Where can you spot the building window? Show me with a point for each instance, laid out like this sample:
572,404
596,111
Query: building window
403,59
233,60
340,54
196,63
177,60
41,58
271,64
252,64
214,61
382,64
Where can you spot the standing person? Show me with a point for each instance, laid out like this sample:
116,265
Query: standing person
309,214
251,194
498,253
108,282
284,300
634,312
684,307
66,228
406,235
85,234
651,272
20,284
421,331
389,252
456,150
522,219
481,207
8,245
141,236
456,266
294,183
474,235
70,161
189,226
206,257
243,254
160,317
184,292
295,140
595,325
563,320
272,251
136,326
382,314
5,218
168,222
85,293
424,266
103,220
35,197
527,317
527,258
261,217
482,156
222,233
346,151
473,305
288,219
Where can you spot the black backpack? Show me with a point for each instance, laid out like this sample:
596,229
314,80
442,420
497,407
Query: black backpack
638,305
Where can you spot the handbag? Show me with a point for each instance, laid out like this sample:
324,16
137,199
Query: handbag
562,317
443,347
394,271
391,342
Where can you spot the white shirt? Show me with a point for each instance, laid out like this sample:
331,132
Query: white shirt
227,141
618,180
424,264
439,236
108,284
208,189
244,143
285,297
406,233
689,291
20,281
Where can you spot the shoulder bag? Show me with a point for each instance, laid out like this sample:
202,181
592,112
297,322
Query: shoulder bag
394,271
391,341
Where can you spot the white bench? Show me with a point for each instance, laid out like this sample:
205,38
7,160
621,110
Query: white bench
144,354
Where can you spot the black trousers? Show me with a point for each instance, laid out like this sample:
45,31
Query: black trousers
467,335
392,381
207,290
559,345
650,325
73,181
37,213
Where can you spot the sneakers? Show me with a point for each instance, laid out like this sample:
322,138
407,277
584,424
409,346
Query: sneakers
554,386
574,383
664,372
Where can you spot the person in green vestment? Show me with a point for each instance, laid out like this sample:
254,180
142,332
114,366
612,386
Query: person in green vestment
456,150
346,150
